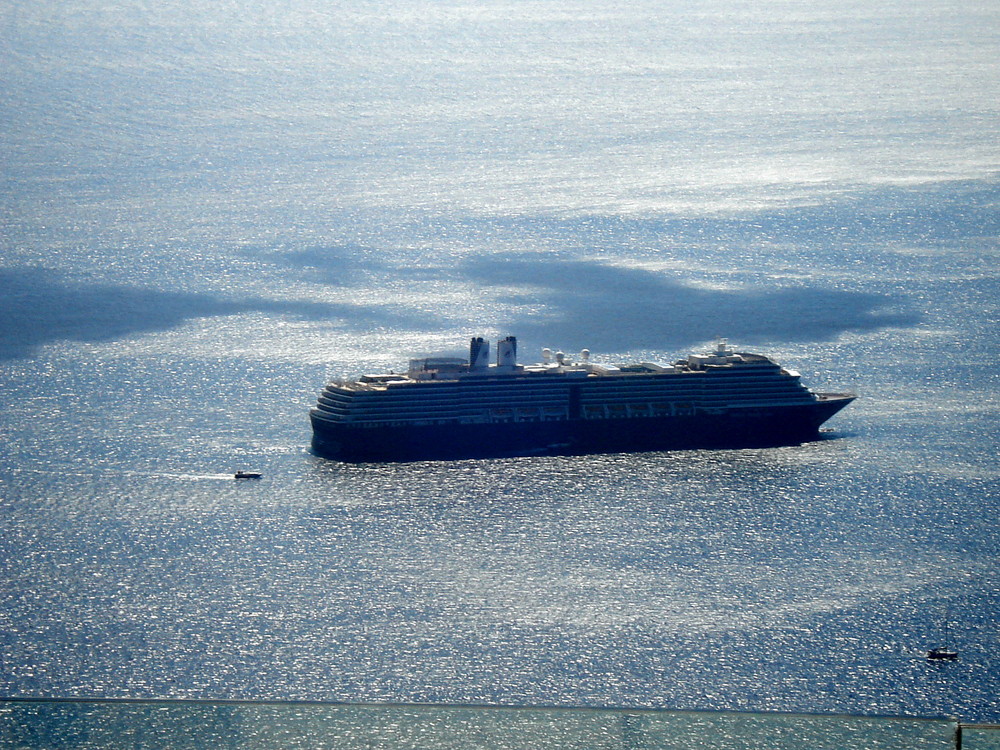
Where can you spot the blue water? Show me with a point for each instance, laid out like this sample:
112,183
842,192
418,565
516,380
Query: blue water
208,210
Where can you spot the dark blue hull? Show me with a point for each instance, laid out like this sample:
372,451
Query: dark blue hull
733,428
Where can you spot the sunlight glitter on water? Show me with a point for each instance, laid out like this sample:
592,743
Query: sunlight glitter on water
187,263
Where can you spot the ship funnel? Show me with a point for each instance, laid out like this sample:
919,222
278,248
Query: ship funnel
507,352
479,353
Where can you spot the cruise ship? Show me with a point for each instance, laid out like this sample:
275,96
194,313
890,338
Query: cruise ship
450,408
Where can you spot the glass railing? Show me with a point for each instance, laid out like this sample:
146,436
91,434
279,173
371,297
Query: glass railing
27,724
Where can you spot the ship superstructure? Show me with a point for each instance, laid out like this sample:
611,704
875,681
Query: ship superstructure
453,408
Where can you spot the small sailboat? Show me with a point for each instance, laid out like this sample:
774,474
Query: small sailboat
942,653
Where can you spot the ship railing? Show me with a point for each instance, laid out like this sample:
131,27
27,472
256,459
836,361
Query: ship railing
31,723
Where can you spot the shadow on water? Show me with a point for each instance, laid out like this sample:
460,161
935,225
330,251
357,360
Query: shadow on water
552,294
613,308
39,307
334,265
607,307
576,299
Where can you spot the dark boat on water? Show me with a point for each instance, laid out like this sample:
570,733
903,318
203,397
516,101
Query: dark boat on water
942,654
448,408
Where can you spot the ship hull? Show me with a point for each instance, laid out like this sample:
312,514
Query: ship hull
730,428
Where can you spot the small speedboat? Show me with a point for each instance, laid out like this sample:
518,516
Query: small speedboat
942,654
247,475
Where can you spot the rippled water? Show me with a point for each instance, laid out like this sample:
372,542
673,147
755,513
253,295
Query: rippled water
208,211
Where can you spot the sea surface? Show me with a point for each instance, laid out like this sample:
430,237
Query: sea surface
209,209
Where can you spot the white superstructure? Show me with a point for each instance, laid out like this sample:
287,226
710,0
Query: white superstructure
450,390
